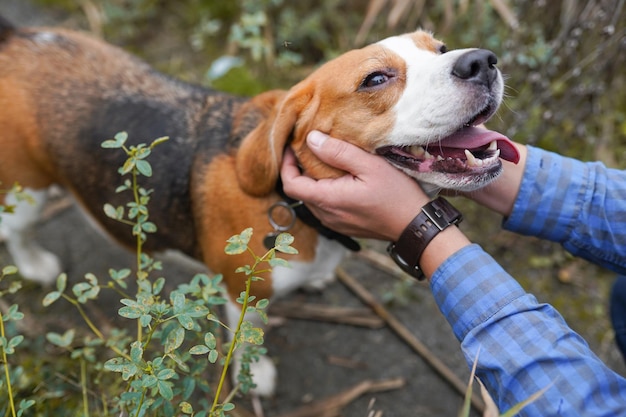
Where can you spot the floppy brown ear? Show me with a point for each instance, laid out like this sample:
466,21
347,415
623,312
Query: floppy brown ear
261,153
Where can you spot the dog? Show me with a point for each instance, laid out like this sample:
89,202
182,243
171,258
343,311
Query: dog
62,93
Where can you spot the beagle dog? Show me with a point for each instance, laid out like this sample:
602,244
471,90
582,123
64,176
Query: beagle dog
62,93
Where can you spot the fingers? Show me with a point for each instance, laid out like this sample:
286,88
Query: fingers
341,154
295,184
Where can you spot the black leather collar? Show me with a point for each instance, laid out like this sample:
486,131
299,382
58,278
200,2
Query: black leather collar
305,215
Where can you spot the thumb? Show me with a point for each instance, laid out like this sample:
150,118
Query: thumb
340,154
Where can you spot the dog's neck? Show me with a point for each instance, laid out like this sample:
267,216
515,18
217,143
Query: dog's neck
306,216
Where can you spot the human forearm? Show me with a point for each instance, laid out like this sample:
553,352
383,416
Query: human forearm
508,330
581,205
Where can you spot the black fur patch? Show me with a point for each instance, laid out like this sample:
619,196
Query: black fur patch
6,29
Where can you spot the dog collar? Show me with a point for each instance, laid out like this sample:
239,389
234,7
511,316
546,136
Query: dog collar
305,215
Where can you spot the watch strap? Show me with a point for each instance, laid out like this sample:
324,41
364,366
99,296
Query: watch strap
434,217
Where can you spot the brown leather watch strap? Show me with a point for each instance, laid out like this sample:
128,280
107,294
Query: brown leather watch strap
432,219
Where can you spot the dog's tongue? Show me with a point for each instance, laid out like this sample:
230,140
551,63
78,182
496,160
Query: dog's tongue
474,137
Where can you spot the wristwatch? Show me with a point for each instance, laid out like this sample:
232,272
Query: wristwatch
432,219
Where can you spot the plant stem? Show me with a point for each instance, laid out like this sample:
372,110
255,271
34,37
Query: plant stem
231,349
92,326
83,382
244,308
6,369
139,244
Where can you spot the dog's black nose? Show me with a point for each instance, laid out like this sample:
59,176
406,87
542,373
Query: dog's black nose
477,66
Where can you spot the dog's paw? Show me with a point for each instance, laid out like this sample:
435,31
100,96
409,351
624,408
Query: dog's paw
318,282
263,375
40,266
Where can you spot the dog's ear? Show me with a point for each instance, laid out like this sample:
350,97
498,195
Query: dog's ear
261,153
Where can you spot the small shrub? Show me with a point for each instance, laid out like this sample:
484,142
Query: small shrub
163,368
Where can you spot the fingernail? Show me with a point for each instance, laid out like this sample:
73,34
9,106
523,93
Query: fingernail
316,138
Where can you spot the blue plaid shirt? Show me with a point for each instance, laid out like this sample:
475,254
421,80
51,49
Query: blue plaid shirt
524,346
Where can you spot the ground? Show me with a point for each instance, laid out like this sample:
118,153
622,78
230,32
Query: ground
316,359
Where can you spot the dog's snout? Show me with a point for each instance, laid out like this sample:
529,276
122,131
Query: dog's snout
477,66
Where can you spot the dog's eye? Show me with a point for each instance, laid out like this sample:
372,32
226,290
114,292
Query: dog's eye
443,49
375,79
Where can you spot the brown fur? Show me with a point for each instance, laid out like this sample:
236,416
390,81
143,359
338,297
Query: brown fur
63,93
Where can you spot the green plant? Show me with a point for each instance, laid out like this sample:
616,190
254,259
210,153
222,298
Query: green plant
8,345
163,366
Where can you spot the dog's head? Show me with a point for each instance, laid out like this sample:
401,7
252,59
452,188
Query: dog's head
405,98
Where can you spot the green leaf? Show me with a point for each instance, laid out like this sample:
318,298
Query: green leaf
64,340
165,389
199,350
128,166
9,346
174,339
9,270
283,242
159,141
210,341
144,167
274,262
179,361
126,368
62,282
16,341
136,352
149,227
13,314
213,356
111,211
238,244
185,407
51,298
186,321
165,374
158,285
130,312
249,334
110,144
24,405
145,320
148,381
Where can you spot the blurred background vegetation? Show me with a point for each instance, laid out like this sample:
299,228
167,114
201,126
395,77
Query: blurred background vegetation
563,60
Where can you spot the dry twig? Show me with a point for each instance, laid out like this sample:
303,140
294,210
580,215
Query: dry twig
331,406
344,315
408,337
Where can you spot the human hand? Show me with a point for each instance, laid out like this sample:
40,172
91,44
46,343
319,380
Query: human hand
374,200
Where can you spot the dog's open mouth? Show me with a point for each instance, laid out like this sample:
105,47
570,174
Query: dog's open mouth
468,151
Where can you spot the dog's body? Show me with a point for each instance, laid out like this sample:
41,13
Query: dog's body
63,93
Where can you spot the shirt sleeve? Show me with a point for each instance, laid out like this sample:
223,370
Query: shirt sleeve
522,346
581,205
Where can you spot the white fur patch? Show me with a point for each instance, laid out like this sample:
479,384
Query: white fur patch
33,261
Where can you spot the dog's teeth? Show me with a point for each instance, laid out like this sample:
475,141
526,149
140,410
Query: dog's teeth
471,159
493,146
427,155
417,151
439,158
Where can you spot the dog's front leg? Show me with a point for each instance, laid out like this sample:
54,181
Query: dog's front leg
263,371
33,261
